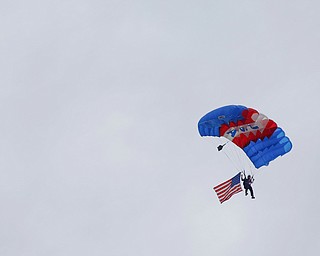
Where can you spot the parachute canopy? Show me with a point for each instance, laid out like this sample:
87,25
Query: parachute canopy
259,137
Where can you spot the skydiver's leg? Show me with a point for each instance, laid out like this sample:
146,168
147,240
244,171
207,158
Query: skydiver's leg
251,192
246,191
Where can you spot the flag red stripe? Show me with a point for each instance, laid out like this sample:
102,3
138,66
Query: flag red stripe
224,190
229,192
221,185
228,188
234,190
224,187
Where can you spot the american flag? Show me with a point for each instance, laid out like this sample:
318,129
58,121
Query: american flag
228,188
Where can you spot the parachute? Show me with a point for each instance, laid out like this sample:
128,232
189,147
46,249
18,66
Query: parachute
259,137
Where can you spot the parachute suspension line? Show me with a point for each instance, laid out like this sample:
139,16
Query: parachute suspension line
249,167
232,162
245,160
231,159
234,150
251,170
246,163
236,156
231,156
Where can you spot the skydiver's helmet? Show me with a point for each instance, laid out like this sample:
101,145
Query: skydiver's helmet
249,176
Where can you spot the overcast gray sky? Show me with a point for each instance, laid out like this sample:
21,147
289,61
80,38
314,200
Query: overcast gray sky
99,148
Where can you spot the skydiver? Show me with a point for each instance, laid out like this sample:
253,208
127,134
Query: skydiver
247,184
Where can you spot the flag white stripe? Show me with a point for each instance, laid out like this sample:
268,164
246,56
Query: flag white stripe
230,192
234,190
228,188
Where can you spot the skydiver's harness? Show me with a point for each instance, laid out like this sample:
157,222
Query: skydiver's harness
245,178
